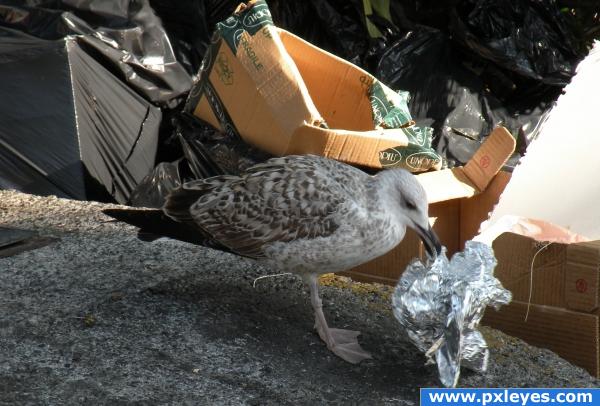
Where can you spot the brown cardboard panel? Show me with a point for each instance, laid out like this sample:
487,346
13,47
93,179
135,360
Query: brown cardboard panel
269,104
447,224
561,275
340,90
228,78
205,111
582,278
276,79
543,278
490,158
475,210
277,90
249,111
356,147
572,335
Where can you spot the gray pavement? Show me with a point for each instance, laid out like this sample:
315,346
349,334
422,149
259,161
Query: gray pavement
99,317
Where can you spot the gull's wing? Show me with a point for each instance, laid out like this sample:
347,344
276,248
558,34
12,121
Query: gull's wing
282,200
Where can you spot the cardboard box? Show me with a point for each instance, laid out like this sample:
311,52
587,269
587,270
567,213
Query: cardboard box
286,96
557,286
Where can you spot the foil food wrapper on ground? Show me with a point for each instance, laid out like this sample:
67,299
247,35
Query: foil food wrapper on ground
441,304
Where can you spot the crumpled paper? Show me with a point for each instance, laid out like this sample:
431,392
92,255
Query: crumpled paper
441,304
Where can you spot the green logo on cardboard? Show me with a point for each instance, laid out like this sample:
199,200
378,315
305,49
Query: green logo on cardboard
412,157
422,161
390,157
223,70
258,16
251,53
250,20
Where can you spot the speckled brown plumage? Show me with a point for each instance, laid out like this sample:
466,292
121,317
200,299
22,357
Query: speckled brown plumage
285,200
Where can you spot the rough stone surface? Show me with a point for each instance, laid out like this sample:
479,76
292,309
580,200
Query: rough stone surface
103,318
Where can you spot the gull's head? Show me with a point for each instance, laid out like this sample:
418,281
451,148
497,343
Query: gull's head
408,199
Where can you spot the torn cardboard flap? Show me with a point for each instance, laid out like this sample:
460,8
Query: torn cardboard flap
490,158
446,184
347,146
475,176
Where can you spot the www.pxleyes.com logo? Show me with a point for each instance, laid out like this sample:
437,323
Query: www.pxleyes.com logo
516,396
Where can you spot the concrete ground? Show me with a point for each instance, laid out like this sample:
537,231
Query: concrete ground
100,317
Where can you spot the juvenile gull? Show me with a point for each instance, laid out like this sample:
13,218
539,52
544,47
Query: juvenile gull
303,214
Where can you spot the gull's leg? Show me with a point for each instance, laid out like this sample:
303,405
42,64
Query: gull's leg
342,343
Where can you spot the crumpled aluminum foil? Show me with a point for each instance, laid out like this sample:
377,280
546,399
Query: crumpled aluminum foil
441,304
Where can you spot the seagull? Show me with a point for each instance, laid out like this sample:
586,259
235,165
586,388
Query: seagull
302,214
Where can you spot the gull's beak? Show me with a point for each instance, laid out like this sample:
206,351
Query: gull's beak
430,240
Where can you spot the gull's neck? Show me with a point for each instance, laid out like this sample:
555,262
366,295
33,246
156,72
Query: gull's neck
384,193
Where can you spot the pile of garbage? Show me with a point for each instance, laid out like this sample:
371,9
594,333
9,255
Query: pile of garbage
97,107
124,100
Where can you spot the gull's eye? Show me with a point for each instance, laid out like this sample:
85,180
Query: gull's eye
410,205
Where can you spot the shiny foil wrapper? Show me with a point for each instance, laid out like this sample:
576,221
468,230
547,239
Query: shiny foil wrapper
441,303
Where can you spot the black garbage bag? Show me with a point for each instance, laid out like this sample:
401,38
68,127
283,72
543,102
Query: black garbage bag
69,127
213,152
126,36
192,137
154,188
529,38
449,93
335,25
190,24
207,152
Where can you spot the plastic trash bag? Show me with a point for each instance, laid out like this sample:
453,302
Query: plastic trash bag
126,36
68,126
337,26
450,96
206,153
189,24
154,188
529,38
215,152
